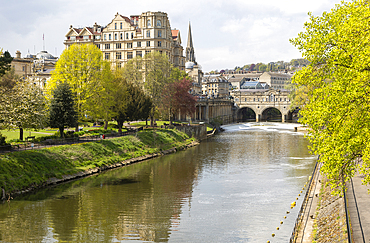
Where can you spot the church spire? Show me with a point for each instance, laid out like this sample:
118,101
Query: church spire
190,56
190,39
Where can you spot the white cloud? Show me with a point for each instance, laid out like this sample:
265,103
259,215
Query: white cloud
225,33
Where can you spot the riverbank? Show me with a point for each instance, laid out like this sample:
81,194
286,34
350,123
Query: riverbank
25,171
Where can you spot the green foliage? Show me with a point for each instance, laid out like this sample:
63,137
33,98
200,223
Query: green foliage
336,84
62,111
22,106
80,66
23,169
2,140
5,60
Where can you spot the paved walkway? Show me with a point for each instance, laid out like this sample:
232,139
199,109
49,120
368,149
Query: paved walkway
359,209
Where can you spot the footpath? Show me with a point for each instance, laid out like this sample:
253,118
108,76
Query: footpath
359,209
324,219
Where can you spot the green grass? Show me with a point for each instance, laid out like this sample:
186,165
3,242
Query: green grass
20,170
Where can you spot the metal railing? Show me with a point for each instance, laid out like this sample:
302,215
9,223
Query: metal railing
302,211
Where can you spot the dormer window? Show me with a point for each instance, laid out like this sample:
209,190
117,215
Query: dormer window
115,26
120,25
159,23
148,23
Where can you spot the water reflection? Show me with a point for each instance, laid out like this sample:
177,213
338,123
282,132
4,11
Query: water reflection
233,187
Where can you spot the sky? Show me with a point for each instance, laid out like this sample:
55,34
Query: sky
226,33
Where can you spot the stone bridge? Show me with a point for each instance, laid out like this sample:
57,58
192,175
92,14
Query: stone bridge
262,104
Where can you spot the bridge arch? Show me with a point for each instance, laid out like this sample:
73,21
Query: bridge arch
246,114
271,114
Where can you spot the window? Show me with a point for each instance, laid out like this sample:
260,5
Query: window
126,36
115,36
147,52
98,46
138,44
110,36
86,37
105,37
23,68
118,46
119,65
107,56
129,55
107,46
121,36
148,33
148,43
118,55
159,43
148,23
115,26
159,23
138,53
159,33
129,45
120,25
132,35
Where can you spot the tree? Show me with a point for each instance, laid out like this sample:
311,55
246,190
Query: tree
101,95
79,66
153,74
22,107
337,45
62,111
5,60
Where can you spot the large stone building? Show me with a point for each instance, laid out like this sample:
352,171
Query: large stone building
34,68
215,86
124,38
275,80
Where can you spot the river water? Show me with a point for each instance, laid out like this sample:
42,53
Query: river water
234,187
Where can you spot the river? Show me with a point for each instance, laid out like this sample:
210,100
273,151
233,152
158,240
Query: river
234,187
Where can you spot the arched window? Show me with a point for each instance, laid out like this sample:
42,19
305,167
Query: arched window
159,23
148,23
115,26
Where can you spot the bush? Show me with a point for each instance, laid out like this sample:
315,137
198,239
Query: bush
4,145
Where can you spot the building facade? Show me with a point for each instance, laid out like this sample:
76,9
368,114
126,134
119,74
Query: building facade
215,86
125,38
275,80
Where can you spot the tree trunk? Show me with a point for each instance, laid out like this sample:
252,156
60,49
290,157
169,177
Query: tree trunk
76,130
171,117
61,131
146,122
105,125
119,124
21,134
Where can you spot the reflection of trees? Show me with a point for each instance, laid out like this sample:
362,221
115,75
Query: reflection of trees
137,201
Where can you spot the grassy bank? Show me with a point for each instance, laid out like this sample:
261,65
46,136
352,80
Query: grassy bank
24,169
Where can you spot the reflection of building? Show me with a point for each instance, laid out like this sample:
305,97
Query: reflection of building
191,66
124,38
36,68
